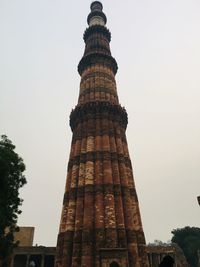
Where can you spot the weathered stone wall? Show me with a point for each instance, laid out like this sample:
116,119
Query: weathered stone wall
24,236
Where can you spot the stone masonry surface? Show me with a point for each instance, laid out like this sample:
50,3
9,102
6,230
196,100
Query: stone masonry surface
100,215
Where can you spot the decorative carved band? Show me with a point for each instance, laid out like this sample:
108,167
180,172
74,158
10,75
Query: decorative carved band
95,109
94,58
94,132
99,155
95,189
99,89
94,29
99,74
97,48
87,235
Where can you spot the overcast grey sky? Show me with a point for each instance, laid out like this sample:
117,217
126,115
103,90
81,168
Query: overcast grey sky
157,46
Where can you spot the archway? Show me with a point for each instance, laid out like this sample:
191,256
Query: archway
167,261
114,264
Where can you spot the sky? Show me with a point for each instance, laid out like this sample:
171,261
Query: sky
157,46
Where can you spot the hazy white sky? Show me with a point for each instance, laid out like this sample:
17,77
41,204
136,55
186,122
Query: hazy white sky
157,46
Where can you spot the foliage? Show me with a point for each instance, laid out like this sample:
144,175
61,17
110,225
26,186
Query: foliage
188,239
157,242
11,180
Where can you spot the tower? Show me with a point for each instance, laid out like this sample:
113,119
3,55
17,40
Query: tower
100,222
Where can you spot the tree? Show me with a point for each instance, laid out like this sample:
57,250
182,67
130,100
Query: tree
188,239
11,180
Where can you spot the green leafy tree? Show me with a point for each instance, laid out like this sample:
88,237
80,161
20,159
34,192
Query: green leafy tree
11,180
188,239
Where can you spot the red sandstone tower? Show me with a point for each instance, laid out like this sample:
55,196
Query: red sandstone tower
100,222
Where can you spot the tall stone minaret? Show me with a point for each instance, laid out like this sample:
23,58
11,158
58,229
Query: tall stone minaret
100,222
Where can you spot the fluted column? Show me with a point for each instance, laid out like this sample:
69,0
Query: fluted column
100,214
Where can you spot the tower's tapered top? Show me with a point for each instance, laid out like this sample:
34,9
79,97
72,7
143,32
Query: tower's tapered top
97,38
96,5
96,16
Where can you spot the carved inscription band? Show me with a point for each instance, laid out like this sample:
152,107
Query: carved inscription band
115,189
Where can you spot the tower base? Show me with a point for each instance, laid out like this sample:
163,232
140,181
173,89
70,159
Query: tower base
114,257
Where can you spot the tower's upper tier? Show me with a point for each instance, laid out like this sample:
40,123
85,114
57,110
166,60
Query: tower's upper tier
96,16
97,38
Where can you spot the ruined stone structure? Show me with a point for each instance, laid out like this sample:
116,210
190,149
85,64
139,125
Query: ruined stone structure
26,255
100,222
45,256
25,236
33,257
157,253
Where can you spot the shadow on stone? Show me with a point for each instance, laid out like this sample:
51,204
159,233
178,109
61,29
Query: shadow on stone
114,264
167,261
